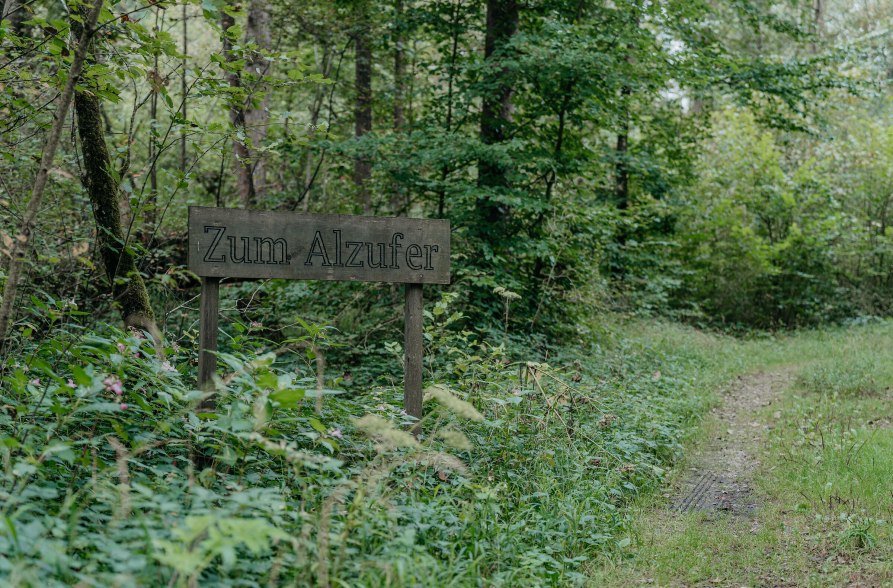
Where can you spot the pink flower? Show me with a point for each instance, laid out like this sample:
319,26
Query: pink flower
336,433
123,406
255,325
71,383
35,382
113,384
167,367
175,347
121,347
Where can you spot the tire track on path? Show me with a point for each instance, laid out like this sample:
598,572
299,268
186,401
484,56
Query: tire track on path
721,474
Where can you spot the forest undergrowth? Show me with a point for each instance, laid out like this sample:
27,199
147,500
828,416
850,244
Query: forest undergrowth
524,469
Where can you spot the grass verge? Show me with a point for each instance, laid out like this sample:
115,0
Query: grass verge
824,483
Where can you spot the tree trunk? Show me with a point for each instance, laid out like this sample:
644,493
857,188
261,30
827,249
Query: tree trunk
399,66
621,169
448,122
363,111
399,201
818,15
324,66
148,228
496,110
621,153
184,88
244,170
128,288
257,114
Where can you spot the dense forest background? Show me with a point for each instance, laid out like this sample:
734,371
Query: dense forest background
723,163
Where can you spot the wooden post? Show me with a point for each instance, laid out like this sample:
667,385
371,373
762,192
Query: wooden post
412,332
207,336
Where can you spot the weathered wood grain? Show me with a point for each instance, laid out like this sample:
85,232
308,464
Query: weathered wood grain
207,358
412,337
236,243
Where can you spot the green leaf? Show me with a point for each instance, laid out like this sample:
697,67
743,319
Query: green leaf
81,378
10,442
267,380
289,398
60,450
317,425
100,407
265,360
234,32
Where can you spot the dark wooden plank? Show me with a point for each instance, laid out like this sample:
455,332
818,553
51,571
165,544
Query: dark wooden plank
412,333
226,242
207,335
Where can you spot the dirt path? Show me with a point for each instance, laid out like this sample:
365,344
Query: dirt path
721,474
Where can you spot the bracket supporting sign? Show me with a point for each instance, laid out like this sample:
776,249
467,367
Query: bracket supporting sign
236,243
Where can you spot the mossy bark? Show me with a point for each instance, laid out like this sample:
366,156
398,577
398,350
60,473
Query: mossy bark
257,113
362,169
127,284
245,185
496,115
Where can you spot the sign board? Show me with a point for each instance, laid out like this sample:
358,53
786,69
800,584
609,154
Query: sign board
234,243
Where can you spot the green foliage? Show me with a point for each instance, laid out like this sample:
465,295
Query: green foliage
771,240
582,77
531,452
523,470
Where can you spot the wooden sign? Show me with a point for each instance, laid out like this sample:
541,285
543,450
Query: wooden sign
235,243
226,242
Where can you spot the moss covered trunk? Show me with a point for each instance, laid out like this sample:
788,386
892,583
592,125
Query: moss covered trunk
127,285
